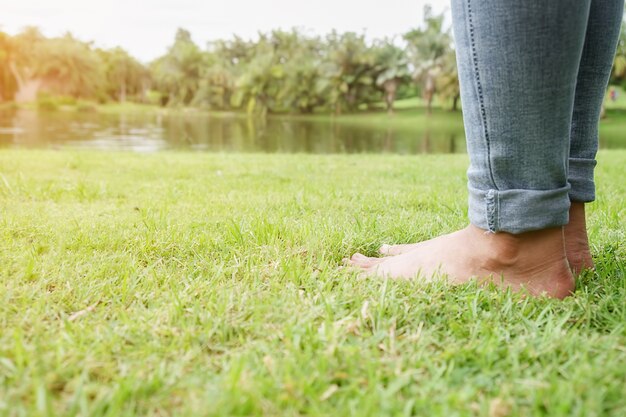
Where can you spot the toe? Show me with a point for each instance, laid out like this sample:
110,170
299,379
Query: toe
393,250
358,259
363,261
385,249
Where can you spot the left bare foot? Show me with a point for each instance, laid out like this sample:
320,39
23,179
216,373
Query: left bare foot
534,260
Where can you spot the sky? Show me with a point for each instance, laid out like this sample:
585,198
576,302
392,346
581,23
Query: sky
146,27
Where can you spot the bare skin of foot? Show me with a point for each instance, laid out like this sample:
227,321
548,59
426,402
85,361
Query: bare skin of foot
576,241
534,261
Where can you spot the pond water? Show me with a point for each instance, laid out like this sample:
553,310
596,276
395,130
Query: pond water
154,131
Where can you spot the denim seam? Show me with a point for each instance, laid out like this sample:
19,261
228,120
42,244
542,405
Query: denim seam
492,206
479,90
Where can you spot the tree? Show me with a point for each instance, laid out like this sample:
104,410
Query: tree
217,83
71,67
124,75
427,48
25,67
177,74
223,63
348,71
392,70
8,84
301,55
62,65
618,74
447,82
258,85
282,73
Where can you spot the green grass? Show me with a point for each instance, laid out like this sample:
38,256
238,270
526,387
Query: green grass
180,284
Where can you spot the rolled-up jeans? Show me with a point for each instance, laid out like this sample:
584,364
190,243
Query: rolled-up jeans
533,76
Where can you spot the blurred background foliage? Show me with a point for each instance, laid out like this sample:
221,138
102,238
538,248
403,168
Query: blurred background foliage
279,72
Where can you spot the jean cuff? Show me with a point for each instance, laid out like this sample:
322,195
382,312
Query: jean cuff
518,211
580,177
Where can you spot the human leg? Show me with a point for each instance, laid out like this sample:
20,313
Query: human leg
603,26
518,63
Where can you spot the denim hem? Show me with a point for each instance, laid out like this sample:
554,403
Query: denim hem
518,211
580,177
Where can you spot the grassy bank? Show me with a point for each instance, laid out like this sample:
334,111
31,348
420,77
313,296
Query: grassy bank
204,284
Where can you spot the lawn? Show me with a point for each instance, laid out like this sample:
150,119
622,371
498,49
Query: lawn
180,284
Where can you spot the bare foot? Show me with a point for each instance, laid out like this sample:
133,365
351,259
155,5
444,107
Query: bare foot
535,260
576,241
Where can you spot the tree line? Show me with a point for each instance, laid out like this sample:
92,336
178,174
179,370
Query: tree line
281,71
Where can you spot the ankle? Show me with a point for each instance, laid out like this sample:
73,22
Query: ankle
577,210
503,250
576,230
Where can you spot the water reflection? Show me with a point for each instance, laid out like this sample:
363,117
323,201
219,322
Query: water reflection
152,132
203,132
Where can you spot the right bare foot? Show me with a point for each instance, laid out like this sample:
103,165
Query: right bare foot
576,242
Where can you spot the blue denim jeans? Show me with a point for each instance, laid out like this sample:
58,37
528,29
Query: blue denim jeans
533,75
